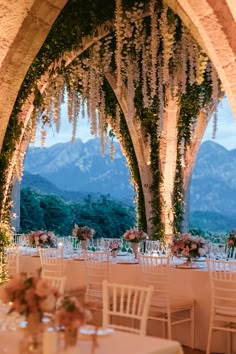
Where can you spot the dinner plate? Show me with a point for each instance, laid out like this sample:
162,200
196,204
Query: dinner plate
87,331
186,266
200,259
127,262
77,259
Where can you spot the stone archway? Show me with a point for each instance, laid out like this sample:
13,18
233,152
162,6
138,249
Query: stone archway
24,26
195,30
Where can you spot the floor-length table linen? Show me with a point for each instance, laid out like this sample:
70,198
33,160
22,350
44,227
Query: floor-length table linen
116,343
192,283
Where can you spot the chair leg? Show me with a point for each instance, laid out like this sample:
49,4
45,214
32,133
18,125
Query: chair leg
192,328
208,350
164,328
169,329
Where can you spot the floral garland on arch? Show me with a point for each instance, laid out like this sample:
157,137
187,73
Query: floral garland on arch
136,36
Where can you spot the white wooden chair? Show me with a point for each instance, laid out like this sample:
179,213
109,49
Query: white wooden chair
223,299
166,308
12,259
52,261
126,307
97,269
57,282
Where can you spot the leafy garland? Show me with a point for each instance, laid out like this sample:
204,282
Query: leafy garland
150,120
111,106
195,98
65,36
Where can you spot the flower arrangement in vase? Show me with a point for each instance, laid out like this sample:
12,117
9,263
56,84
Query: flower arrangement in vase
188,246
135,236
30,295
42,239
115,246
71,315
83,234
231,243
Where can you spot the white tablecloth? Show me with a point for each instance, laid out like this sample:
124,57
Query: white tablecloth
192,283
115,343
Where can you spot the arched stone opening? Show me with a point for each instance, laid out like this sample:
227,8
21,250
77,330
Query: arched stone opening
164,165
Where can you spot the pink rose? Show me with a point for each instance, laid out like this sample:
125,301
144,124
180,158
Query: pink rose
132,237
43,238
201,251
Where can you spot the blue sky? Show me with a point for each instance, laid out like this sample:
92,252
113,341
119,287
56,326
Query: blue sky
225,135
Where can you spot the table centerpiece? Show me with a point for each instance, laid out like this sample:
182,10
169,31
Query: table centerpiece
42,239
32,297
188,246
71,315
231,243
135,236
83,234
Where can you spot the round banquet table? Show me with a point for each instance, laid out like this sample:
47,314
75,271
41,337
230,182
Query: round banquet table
190,283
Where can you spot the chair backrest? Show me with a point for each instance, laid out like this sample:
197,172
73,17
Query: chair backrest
51,261
155,272
20,240
223,286
12,259
58,283
128,302
74,241
97,269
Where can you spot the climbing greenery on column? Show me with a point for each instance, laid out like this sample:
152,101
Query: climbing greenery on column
150,51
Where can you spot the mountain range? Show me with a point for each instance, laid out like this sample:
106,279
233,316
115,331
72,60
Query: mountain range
78,168
75,170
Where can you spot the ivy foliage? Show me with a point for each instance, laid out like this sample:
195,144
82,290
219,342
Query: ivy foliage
195,98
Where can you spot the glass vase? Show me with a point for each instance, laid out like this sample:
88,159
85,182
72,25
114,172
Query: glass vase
189,262
70,336
31,342
135,248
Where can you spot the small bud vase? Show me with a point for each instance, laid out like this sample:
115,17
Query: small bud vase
114,253
31,342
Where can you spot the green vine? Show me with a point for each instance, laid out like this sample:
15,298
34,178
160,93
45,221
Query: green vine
78,19
195,98
111,103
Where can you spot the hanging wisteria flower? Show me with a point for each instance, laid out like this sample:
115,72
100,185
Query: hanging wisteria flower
42,239
83,232
135,235
188,246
